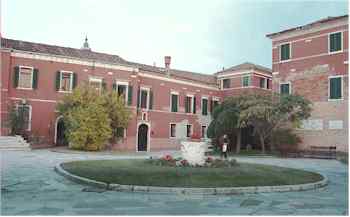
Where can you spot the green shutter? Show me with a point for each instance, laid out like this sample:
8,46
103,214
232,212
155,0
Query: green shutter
204,106
57,82
114,87
75,80
211,106
187,107
15,77
35,79
194,105
285,51
284,89
335,42
174,103
129,95
138,98
335,88
150,99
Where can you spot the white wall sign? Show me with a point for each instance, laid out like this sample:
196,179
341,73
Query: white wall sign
335,125
316,124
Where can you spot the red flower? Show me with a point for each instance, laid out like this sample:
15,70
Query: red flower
168,157
209,159
184,162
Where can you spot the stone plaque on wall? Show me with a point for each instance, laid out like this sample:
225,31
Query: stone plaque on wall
315,124
335,124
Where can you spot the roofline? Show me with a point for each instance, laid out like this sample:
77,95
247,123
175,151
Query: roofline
271,35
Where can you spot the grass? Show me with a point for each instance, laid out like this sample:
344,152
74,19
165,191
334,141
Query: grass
247,153
139,172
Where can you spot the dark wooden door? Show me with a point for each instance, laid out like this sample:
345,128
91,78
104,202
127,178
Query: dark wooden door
142,138
60,136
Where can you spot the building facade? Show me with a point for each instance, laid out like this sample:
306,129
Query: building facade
312,61
167,105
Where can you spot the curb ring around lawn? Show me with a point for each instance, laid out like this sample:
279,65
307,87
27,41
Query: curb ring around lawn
179,190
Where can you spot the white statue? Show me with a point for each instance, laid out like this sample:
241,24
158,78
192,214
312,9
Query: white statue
194,152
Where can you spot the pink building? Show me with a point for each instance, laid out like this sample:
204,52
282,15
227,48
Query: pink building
168,105
312,61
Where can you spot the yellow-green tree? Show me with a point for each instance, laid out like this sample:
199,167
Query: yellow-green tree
90,117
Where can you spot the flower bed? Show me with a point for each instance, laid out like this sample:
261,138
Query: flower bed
168,160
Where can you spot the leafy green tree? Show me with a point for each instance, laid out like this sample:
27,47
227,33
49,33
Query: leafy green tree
91,116
267,113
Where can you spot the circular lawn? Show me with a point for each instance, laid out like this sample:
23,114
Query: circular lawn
140,172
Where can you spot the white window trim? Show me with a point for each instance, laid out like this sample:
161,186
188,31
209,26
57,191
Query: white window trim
191,131
249,80
205,133
222,84
290,87
207,98
117,83
19,78
170,130
290,52
148,100
342,43
192,104
71,81
342,87
171,101
30,115
265,83
94,79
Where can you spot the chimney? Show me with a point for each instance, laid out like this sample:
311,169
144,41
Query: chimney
167,61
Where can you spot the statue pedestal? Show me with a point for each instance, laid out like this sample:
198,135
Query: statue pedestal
194,152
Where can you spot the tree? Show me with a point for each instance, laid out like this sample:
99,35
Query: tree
16,120
91,116
267,113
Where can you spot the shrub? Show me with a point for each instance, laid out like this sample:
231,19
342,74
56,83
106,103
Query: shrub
285,141
223,163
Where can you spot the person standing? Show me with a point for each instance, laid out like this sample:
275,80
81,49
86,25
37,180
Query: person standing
224,147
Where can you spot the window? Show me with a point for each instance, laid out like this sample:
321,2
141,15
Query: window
285,88
268,83
172,130
204,106
188,130
215,103
174,97
263,82
25,77
335,42
285,51
144,98
122,90
25,114
226,83
189,104
120,132
335,88
66,81
204,131
96,83
246,81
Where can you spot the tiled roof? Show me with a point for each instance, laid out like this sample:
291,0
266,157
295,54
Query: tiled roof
325,20
246,66
102,57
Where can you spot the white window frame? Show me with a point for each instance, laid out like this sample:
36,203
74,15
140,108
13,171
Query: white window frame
222,84
265,83
342,87
249,80
290,87
170,130
71,81
148,100
126,84
171,101
342,43
30,115
191,131
290,52
205,133
207,98
192,104
94,79
31,80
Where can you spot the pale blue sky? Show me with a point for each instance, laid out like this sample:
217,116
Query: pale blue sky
201,36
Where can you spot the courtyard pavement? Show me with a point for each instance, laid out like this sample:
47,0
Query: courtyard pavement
29,186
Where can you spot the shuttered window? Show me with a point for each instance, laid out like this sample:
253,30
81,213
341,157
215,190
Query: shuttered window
24,112
24,78
285,52
144,99
335,42
189,104
262,82
226,83
204,106
335,88
188,130
174,102
172,130
285,88
96,83
246,81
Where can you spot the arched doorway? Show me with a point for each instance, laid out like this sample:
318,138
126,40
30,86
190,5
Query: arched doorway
142,137
60,133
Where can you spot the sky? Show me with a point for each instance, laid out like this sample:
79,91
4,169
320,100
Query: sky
200,35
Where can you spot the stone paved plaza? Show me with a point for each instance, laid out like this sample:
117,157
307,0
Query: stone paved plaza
29,186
